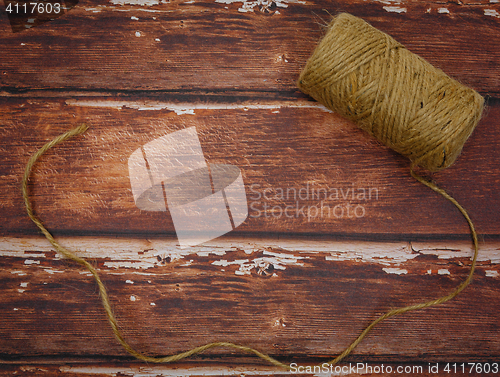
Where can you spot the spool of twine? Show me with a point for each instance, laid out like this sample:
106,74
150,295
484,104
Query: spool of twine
409,105
368,77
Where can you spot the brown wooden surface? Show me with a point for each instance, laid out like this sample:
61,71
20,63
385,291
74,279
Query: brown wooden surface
245,368
215,46
250,291
298,288
279,146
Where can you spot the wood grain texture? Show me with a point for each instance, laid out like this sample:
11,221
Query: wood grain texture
278,146
300,288
232,46
286,297
220,368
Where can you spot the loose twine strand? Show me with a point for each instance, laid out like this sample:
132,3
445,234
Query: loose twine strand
168,359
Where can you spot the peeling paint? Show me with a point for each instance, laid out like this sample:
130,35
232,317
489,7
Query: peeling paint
20,273
146,3
123,253
395,9
225,263
443,10
367,252
31,261
140,10
129,282
133,298
443,271
397,271
135,265
51,271
491,12
190,108
4,252
262,265
263,5
165,371
207,252
388,2
453,249
23,285
184,111
491,273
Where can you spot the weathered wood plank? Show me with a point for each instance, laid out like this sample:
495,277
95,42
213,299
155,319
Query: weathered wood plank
227,368
232,46
287,152
287,297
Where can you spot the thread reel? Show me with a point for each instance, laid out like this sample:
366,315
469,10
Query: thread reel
409,105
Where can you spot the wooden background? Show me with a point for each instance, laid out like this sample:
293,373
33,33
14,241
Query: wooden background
299,288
